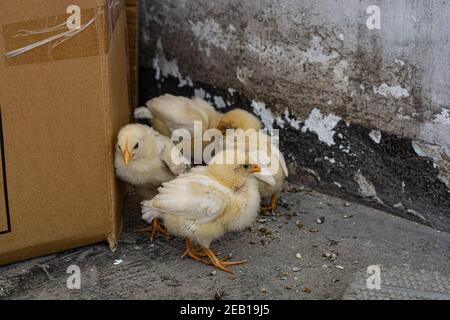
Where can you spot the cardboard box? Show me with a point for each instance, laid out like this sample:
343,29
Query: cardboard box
133,27
63,97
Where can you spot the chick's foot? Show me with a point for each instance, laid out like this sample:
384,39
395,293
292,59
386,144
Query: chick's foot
199,253
220,264
154,229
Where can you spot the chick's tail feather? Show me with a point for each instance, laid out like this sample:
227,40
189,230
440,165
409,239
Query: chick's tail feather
148,213
143,113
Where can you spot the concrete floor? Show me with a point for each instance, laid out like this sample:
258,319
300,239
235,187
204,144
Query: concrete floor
290,256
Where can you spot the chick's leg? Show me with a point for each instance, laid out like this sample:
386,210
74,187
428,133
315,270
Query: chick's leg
154,228
193,253
158,228
273,204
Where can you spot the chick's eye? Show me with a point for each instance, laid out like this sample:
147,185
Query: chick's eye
136,146
246,166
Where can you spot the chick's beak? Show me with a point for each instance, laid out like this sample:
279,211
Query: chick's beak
255,168
126,155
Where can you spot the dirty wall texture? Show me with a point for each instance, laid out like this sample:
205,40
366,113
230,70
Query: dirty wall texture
363,112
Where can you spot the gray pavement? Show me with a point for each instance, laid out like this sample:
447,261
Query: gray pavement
291,255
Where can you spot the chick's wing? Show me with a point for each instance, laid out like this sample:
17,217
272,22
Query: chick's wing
194,197
171,155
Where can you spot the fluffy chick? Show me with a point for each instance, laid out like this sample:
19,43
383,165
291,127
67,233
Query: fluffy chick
204,204
238,119
272,180
261,150
144,159
168,113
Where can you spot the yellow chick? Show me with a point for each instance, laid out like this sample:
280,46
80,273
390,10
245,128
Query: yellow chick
261,150
271,181
144,159
238,119
204,204
169,112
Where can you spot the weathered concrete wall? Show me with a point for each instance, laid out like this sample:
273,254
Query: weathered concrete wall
364,112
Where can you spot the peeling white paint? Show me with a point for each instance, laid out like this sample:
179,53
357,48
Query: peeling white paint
271,53
366,188
164,67
440,156
394,91
322,125
331,160
427,150
337,184
187,81
200,93
287,118
267,117
436,133
443,117
209,34
294,123
341,36
340,79
231,91
265,50
375,135
219,102
280,122
316,53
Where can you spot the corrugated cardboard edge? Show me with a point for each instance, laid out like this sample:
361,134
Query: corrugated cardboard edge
133,31
115,196
111,126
